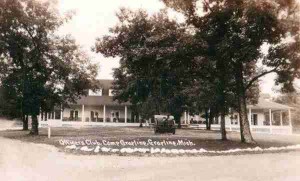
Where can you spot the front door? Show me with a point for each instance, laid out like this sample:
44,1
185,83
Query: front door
115,116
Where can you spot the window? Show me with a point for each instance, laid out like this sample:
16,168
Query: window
73,115
92,115
115,116
95,93
267,118
254,119
57,114
216,120
110,92
234,119
76,115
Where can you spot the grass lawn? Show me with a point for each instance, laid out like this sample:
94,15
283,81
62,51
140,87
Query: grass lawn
208,140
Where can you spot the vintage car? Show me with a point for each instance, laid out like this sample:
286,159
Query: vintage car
164,124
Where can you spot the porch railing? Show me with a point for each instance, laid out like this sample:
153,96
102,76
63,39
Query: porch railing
254,128
75,123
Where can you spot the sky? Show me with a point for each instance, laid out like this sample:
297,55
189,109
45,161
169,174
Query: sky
93,18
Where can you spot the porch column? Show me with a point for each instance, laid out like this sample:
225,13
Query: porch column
61,114
188,120
290,122
281,118
40,115
82,113
53,114
184,117
104,113
270,120
125,114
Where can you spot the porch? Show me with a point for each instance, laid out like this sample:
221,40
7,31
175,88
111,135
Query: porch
91,115
264,117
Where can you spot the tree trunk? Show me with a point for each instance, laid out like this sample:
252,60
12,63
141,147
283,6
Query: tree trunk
207,119
211,117
179,124
246,136
221,90
141,123
177,120
223,126
35,125
223,113
139,120
25,122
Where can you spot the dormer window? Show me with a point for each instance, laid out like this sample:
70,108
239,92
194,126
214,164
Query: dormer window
110,92
97,92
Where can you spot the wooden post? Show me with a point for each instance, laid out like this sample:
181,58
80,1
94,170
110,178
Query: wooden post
49,131
125,114
104,114
188,120
184,117
270,120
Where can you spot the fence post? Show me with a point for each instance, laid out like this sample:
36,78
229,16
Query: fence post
49,131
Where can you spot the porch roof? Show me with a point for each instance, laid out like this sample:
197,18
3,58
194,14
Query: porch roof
100,100
266,104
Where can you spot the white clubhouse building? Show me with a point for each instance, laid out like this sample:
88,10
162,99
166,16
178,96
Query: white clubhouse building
99,109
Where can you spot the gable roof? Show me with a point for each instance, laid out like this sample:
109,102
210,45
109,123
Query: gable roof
105,83
100,101
266,104
105,99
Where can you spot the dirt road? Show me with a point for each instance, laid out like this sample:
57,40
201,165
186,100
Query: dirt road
26,161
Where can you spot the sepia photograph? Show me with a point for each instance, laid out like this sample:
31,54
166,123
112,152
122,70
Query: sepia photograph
148,90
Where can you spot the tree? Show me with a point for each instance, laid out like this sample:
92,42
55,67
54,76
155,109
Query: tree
53,70
9,105
149,48
245,27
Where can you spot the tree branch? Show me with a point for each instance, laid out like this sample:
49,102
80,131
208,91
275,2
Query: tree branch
259,76
207,5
